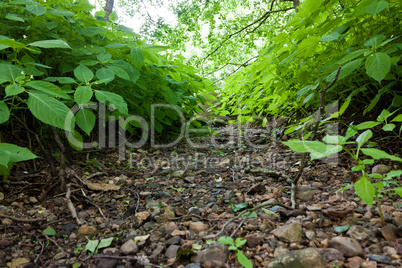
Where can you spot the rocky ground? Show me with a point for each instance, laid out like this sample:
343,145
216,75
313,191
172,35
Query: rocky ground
169,206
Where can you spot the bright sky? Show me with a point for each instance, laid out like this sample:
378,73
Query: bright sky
135,22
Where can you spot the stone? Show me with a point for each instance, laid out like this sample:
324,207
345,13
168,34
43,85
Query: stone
167,228
254,240
189,179
354,262
140,218
156,252
306,195
348,246
310,235
381,169
18,262
279,251
171,251
256,189
305,258
198,226
175,240
216,254
392,253
178,174
33,199
129,248
87,230
289,233
330,254
358,232
179,233
389,232
169,213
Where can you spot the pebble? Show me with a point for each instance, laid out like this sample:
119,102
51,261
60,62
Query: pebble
129,248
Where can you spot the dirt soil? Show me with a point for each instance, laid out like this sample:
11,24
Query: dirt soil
167,207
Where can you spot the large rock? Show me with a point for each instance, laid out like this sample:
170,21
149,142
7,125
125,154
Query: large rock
358,232
213,256
330,254
348,246
290,233
389,232
305,258
169,214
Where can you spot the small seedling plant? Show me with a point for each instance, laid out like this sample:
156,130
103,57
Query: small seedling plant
332,144
236,245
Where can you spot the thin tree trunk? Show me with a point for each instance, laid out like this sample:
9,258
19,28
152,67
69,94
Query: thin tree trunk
109,8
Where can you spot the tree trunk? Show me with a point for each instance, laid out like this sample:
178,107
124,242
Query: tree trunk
109,8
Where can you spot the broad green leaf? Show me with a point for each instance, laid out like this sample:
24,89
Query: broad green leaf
363,138
375,41
398,190
345,105
116,45
388,127
352,55
171,97
4,159
240,242
104,243
238,207
12,43
346,70
330,37
104,57
4,112
83,73
91,31
367,124
49,231
6,170
75,140
14,17
175,75
137,57
83,94
397,101
91,245
115,100
378,66
50,111
113,16
48,88
315,148
365,190
384,115
9,72
66,80
376,7
61,13
397,118
16,153
89,62
269,212
334,139
243,260
372,104
14,89
50,44
226,240
119,72
105,75
36,9
85,119
378,154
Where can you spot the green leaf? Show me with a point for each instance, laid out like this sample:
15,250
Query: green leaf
197,246
104,57
75,140
49,231
5,159
50,44
115,100
113,16
365,190
378,66
330,37
137,57
269,212
240,242
66,80
14,17
116,45
226,240
36,9
83,94
243,260
119,72
367,124
388,127
375,41
238,207
6,170
378,154
398,190
170,97
363,138
91,245
397,118
341,229
345,105
9,72
105,75
383,115
104,243
85,119
48,88
50,111
14,89
376,7
15,153
83,73
4,112
315,148
352,55
91,31
346,70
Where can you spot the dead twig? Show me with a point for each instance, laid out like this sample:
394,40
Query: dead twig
55,243
71,206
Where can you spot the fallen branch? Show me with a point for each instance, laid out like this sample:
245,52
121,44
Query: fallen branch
71,206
